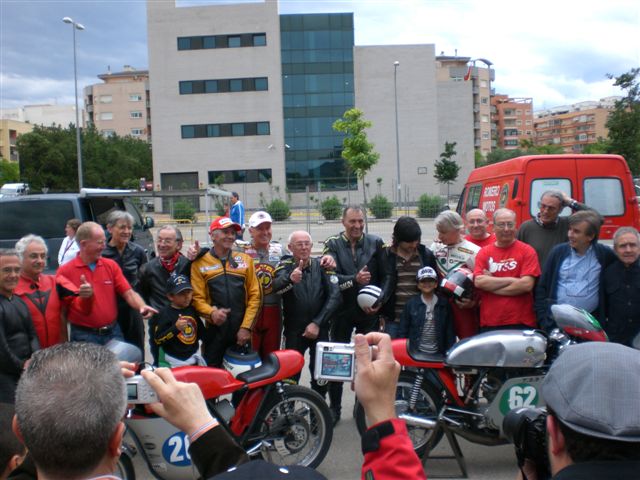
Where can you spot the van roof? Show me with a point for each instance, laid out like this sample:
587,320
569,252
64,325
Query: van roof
514,166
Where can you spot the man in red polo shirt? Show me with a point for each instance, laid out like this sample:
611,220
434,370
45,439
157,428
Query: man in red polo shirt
88,286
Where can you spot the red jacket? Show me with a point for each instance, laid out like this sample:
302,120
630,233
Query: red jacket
44,306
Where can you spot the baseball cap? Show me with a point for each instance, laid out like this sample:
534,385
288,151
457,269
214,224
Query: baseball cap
426,272
221,223
178,283
259,218
594,387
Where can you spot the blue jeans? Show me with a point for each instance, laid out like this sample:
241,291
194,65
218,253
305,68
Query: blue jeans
78,335
392,328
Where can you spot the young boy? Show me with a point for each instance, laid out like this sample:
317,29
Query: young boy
179,328
427,319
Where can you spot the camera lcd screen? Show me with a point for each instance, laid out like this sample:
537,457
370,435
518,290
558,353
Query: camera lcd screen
132,391
337,364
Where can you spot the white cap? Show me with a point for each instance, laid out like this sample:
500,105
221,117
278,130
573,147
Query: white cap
259,218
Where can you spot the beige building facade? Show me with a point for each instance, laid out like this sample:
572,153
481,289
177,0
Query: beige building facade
513,118
10,130
120,105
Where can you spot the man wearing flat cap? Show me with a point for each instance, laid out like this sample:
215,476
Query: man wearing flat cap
592,394
226,293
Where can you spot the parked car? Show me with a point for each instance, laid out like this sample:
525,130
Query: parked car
46,215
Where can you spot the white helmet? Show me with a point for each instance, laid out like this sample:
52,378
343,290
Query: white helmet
368,296
238,360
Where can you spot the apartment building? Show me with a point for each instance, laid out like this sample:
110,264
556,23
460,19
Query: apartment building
10,130
573,126
120,105
513,118
46,115
246,97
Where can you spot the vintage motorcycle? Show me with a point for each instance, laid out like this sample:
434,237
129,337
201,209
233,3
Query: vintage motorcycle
469,391
285,424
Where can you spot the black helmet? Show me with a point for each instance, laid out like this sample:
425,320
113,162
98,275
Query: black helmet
459,283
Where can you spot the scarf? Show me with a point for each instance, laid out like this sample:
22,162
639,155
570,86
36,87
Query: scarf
170,263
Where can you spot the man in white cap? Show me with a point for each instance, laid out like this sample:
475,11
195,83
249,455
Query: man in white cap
226,293
267,330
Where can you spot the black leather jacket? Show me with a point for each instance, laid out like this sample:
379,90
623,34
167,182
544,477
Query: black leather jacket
389,259
368,251
132,258
152,280
315,299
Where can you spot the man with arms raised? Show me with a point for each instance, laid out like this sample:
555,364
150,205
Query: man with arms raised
357,256
89,285
547,229
505,273
226,292
267,330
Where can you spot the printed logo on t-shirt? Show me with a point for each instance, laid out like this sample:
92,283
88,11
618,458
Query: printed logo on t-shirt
189,335
505,265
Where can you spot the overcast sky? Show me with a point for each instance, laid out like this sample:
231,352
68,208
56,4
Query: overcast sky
556,51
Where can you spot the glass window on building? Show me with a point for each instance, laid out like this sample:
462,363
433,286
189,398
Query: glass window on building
136,132
188,131
108,133
235,85
237,129
262,84
135,97
234,41
106,116
135,114
263,128
184,43
185,88
259,39
106,99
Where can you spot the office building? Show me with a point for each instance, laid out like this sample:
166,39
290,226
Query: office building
120,105
513,118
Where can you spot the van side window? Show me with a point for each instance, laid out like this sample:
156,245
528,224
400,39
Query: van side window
18,219
604,195
538,187
473,198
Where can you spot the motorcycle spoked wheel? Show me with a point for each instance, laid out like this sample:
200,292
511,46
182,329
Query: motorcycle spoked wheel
427,406
296,427
124,468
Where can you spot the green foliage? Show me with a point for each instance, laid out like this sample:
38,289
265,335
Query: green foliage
624,120
499,155
446,168
278,209
429,206
9,171
478,158
183,210
601,146
380,207
48,159
331,208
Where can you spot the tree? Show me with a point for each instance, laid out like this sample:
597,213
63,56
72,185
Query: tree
9,171
48,159
624,120
357,151
447,169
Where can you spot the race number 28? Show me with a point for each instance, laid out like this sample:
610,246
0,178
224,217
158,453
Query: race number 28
176,450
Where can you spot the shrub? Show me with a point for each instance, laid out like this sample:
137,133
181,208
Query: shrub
380,207
183,210
331,208
429,205
278,209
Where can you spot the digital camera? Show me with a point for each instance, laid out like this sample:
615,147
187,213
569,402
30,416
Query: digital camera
335,362
139,391
526,429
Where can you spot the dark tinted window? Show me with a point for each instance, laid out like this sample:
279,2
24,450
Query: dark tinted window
46,218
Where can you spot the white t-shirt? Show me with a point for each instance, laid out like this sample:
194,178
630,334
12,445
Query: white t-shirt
68,250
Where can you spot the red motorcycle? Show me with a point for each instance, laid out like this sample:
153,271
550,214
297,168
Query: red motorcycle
469,391
285,424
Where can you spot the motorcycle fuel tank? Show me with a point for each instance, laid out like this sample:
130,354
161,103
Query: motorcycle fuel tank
500,348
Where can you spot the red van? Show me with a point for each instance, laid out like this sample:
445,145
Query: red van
603,182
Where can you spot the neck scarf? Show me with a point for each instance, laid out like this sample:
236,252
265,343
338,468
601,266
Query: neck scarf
170,263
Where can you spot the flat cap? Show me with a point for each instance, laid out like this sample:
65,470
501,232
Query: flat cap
594,389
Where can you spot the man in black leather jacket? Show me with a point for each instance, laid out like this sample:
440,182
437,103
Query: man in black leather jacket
310,297
401,262
153,276
358,257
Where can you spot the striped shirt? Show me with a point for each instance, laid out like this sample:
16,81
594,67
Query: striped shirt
428,337
406,287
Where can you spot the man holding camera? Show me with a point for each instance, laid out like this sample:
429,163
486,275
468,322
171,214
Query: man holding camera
593,421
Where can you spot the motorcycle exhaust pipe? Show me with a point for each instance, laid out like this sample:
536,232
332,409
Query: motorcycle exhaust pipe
418,421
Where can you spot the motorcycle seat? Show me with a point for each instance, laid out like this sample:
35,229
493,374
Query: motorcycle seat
268,369
422,357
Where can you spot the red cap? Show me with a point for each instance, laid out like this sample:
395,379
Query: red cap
221,223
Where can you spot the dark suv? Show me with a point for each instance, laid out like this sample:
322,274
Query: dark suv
47,215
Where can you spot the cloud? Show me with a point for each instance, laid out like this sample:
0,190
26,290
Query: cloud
18,90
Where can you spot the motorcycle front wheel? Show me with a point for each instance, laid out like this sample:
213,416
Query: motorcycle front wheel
427,405
296,427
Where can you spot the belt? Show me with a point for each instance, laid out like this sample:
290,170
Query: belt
106,330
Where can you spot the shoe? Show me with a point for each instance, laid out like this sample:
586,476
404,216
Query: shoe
335,416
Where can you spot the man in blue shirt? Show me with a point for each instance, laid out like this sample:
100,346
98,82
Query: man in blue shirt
573,273
237,213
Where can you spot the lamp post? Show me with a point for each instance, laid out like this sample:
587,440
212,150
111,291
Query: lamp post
76,26
395,95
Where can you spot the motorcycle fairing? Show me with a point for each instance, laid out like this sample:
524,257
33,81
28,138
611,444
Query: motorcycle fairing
516,392
213,382
246,411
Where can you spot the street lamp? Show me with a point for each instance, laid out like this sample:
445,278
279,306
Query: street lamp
395,94
76,26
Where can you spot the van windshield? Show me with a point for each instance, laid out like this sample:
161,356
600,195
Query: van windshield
604,195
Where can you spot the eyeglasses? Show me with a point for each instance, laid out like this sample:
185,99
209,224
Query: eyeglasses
542,206
504,225
165,241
